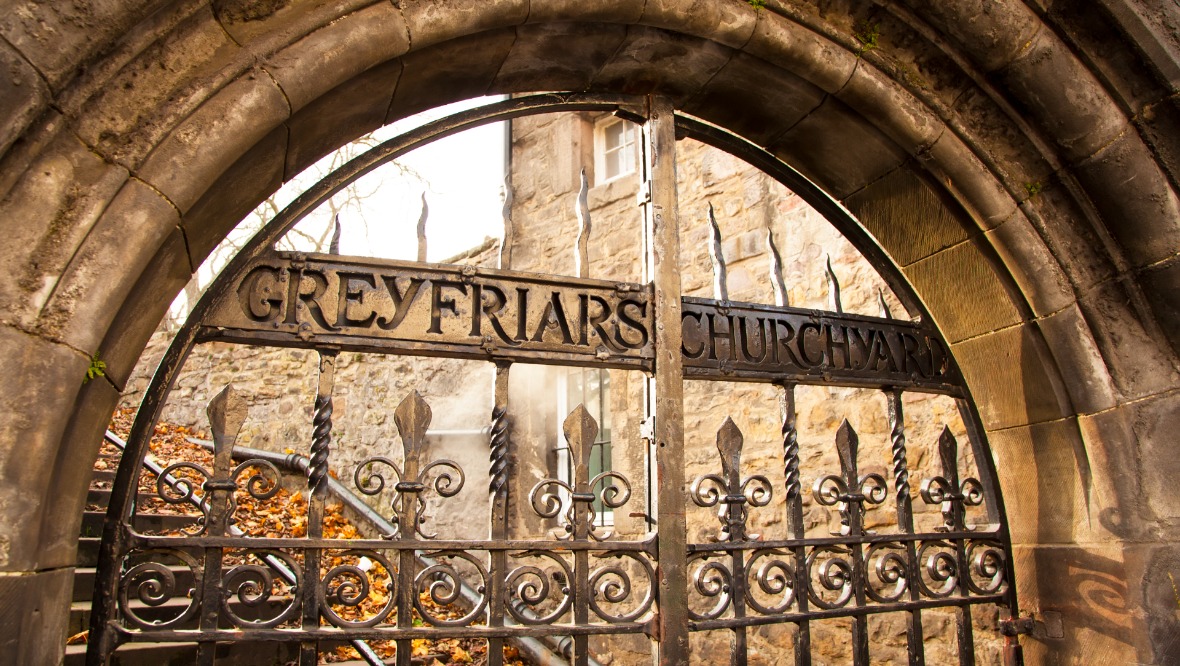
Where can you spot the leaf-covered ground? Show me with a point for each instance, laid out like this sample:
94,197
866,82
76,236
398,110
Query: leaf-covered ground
285,515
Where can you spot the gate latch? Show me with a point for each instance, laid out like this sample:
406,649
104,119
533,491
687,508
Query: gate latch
647,429
1016,626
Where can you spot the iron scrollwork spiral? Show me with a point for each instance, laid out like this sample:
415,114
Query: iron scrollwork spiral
712,581
613,585
988,567
770,572
444,583
834,574
153,583
532,598
253,585
446,477
941,567
889,566
352,582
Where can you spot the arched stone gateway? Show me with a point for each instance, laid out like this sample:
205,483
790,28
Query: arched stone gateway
1016,162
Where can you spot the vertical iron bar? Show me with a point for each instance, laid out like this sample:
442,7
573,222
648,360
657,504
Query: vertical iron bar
729,446
795,527
317,483
948,449
663,269
580,432
498,491
717,257
227,413
905,522
412,418
848,445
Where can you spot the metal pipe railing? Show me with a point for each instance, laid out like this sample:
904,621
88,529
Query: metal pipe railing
367,653
547,651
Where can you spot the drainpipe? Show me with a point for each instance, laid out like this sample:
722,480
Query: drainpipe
548,651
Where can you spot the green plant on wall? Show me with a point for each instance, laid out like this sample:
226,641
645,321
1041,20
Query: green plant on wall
869,35
98,368
757,4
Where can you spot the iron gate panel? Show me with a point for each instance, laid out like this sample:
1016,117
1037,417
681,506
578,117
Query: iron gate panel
592,582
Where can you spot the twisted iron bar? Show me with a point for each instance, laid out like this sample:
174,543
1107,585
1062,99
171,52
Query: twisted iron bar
901,472
498,481
317,468
790,433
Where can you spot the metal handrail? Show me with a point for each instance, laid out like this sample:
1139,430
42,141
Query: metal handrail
548,651
367,653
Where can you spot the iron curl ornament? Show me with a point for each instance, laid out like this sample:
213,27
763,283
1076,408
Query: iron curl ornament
729,489
573,503
849,491
152,582
443,582
532,598
770,572
947,490
253,584
444,477
351,582
613,584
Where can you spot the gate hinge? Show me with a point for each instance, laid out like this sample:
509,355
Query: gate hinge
1016,626
643,196
647,429
652,627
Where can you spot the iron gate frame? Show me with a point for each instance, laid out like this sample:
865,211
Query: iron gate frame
668,552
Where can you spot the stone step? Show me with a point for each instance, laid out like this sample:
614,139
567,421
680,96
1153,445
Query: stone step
102,497
80,612
251,653
88,551
145,522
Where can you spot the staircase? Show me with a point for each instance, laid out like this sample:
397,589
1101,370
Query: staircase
148,654
543,652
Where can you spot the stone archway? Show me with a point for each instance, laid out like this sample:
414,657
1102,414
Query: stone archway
1013,158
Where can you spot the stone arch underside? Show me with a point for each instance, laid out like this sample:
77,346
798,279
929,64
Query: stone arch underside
1020,180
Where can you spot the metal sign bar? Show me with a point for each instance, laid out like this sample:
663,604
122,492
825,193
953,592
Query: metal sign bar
290,299
748,342
322,301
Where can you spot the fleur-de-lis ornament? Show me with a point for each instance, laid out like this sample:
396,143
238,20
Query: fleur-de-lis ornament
850,490
412,418
729,490
578,516
947,489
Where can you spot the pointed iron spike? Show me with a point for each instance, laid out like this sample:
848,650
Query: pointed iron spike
580,431
720,280
422,228
729,445
834,301
227,412
506,213
885,312
582,209
948,453
776,271
412,417
334,246
847,445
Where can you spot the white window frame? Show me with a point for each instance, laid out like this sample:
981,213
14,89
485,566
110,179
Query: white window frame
605,518
631,131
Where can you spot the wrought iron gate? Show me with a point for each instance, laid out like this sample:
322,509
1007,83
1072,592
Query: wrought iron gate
588,582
